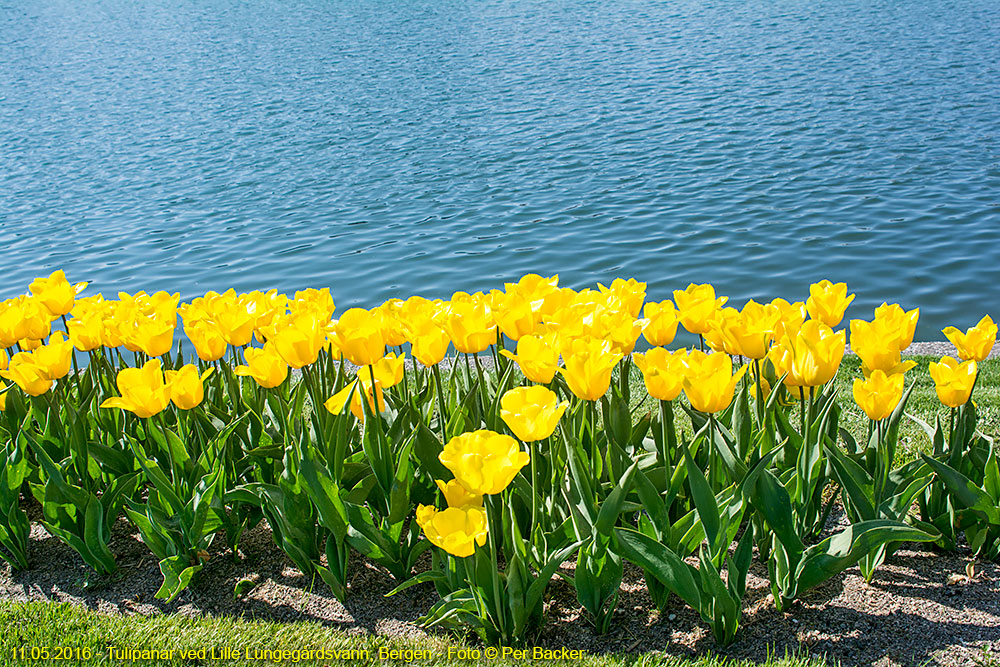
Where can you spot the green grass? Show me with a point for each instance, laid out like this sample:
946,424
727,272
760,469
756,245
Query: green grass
41,624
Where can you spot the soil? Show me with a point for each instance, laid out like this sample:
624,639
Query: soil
921,608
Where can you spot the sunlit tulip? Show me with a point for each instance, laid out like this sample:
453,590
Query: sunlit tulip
484,462
954,381
696,306
902,322
4,360
313,300
661,322
388,371
827,302
393,326
810,357
619,328
709,381
267,308
724,320
977,342
428,341
29,344
56,357
629,293
265,366
37,321
469,324
86,332
55,293
144,391
790,316
555,301
457,495
187,389
879,394
353,391
456,530
234,320
532,413
3,397
513,315
299,339
662,372
359,335
208,341
537,357
26,374
589,362
879,345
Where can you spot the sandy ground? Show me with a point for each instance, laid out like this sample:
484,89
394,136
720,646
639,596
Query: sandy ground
920,609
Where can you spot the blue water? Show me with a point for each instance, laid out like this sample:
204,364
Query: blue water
395,148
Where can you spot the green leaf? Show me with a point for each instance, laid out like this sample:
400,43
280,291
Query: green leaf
663,563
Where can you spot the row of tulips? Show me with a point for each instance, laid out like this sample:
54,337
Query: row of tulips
502,476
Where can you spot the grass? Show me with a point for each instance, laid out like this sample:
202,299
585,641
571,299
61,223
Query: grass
34,625
41,624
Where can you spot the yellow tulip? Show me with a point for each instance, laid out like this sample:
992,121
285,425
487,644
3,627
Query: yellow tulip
619,328
26,374
697,305
335,404
313,300
4,360
3,397
299,339
55,293
589,362
393,326
513,315
359,334
532,413
86,331
809,357
629,293
36,322
662,372
428,341
977,342
533,287
828,301
484,462
469,323
954,381
234,319
265,366
879,345
143,390
186,386
709,381
723,320
878,395
55,358
457,495
903,322
660,325
209,343
153,336
790,316
388,371
537,357
456,530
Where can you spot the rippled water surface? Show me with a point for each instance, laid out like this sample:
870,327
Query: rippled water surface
391,148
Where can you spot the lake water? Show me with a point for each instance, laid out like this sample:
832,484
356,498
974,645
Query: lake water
395,148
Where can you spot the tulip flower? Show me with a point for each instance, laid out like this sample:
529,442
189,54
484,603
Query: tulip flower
977,342
629,293
316,301
457,495
429,342
589,362
3,397
4,360
154,337
187,390
359,334
55,358
233,319
879,345
456,530
36,322
879,394
86,332
144,391
209,343
55,293
697,306
954,381
513,315
902,322
659,322
790,316
388,371
662,372
353,391
469,323
22,370
484,462
299,338
393,326
537,357
709,381
828,301
810,357
265,366
532,413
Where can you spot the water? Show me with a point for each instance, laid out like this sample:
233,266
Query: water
394,148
